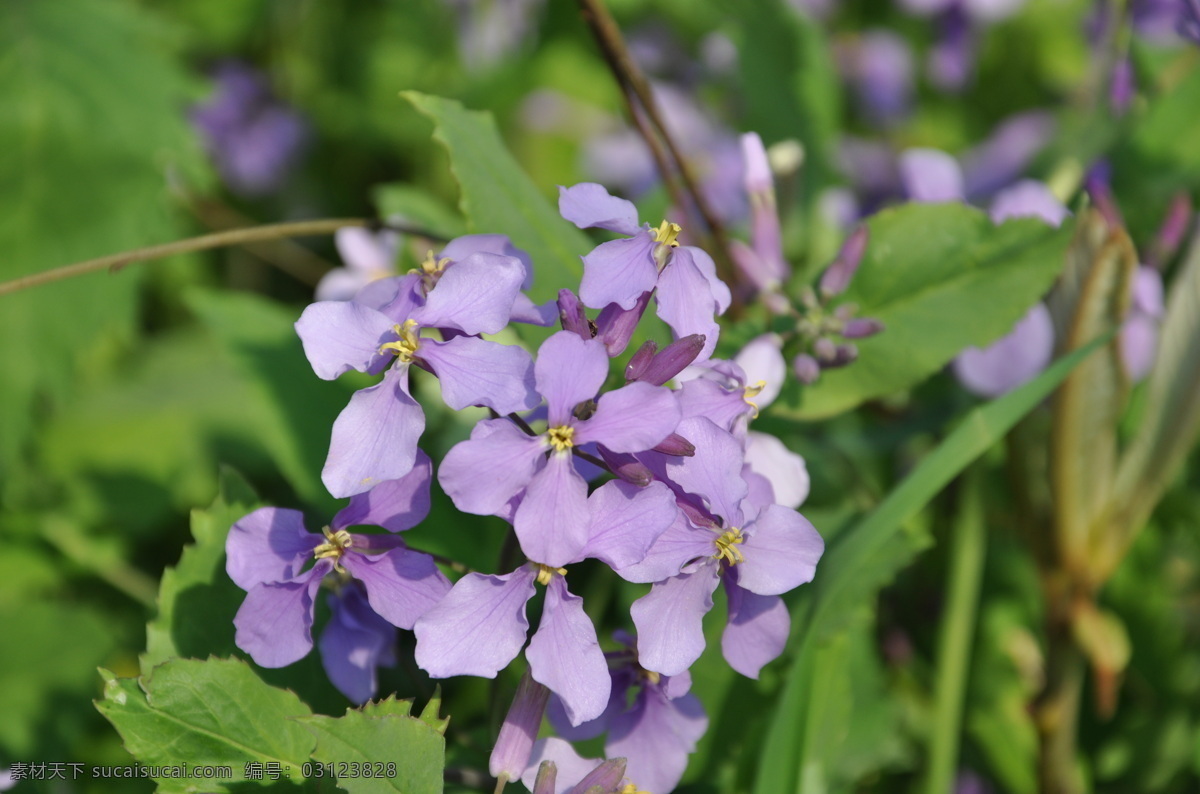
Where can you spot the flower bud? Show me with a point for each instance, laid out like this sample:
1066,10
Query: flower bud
1172,231
626,466
615,326
838,275
640,360
514,745
672,359
677,445
806,368
861,328
825,350
570,312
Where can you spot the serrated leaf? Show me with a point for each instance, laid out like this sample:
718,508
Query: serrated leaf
215,712
390,706
941,277
1092,297
498,198
362,742
432,713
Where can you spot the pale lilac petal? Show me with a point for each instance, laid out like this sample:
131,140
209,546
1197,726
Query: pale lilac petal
669,620
708,269
685,301
395,505
1139,344
571,766
931,175
478,628
714,472
398,297
339,336
524,310
678,545
274,623
474,296
1028,199
1011,360
478,372
269,545
633,418
552,521
365,251
762,361
712,400
619,271
588,206
340,284
767,456
759,495
514,743
1148,292
781,551
655,737
354,644
481,474
627,520
568,371
374,437
757,630
565,655
402,584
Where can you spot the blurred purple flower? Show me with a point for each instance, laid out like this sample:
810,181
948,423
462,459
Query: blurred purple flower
367,256
878,64
1010,361
254,139
491,30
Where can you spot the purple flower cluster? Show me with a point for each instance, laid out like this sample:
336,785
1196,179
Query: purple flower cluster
685,496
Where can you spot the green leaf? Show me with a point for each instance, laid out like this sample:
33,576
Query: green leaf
498,198
95,118
849,575
941,277
215,712
360,743
418,207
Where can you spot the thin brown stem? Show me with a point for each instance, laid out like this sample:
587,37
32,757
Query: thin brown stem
282,253
453,565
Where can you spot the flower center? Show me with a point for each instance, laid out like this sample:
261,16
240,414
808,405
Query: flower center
335,546
630,788
546,572
560,437
667,233
649,676
750,392
727,545
432,265
407,344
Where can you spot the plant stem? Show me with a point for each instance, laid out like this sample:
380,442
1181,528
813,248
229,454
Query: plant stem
1057,714
967,551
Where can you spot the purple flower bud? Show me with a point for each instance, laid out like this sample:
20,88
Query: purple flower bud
615,326
846,354
606,777
838,275
640,360
547,777
825,350
861,328
1098,186
514,745
806,368
1120,91
570,312
1170,234
676,445
626,466
672,359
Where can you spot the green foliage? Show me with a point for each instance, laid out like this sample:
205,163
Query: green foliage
215,712
375,737
419,208
941,277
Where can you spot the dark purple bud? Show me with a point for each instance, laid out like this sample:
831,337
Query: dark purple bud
1172,231
615,325
672,359
838,275
641,359
806,368
825,350
1120,90
677,445
845,354
861,328
626,466
1098,187
570,312
606,777
514,745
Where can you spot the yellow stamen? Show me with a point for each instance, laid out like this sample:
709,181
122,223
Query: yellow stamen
545,573
727,547
750,392
650,676
432,265
560,437
406,346
335,546
667,233
630,788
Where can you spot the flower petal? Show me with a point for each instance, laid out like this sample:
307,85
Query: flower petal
1011,360
762,361
670,619
655,737
568,371
477,372
678,545
767,456
274,623
714,472
395,505
475,295
781,550
355,642
619,271
552,520
565,655
402,584
571,767
269,545
482,473
374,437
339,336
626,520
590,206
632,418
757,630
478,628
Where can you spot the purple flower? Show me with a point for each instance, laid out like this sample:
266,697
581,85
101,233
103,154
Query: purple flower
930,175
1028,199
500,461
687,290
555,764
514,744
254,139
480,626
269,549
758,550
763,263
1010,361
368,256
879,66
375,437
1139,333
